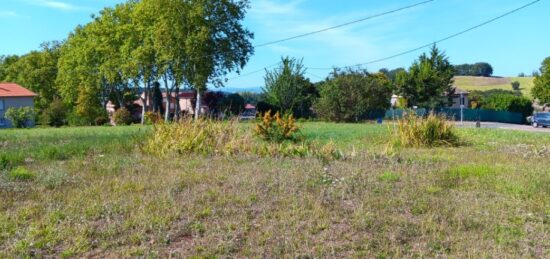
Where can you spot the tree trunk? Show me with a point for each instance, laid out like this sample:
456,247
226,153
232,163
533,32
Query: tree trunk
177,111
198,105
145,101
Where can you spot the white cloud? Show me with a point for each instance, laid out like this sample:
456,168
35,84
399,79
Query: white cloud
7,14
63,6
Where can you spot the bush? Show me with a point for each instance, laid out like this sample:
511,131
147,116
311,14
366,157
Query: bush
20,117
432,131
101,120
153,118
276,128
55,115
515,85
21,174
75,120
511,103
351,96
122,117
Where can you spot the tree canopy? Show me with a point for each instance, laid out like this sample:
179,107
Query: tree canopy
541,89
427,81
478,69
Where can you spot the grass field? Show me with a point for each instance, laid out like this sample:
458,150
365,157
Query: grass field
488,83
91,192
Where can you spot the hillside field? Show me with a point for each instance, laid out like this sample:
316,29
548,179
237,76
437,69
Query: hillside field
92,192
470,83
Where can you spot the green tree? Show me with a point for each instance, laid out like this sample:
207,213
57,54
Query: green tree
287,88
428,80
232,104
350,96
541,89
55,114
508,102
36,71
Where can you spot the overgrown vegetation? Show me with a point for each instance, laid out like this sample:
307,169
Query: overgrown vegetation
431,131
94,194
277,128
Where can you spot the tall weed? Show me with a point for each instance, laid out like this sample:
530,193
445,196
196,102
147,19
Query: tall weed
431,131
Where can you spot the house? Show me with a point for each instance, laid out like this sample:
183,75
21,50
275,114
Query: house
249,112
13,96
460,97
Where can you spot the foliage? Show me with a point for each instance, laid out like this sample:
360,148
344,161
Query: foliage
541,90
55,114
478,69
122,117
20,117
101,120
276,128
478,98
349,96
432,131
35,71
232,104
287,88
88,106
511,103
21,174
515,86
153,118
428,80
392,74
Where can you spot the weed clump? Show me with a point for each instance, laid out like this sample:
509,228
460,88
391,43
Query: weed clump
431,131
196,136
277,128
21,174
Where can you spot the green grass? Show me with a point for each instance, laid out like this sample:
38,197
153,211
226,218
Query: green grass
93,193
483,83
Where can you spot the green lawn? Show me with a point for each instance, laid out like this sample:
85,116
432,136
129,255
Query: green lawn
91,192
488,83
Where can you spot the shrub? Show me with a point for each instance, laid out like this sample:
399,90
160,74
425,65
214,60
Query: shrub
101,120
153,118
511,103
21,174
20,117
55,115
122,117
432,131
350,96
515,85
276,128
73,119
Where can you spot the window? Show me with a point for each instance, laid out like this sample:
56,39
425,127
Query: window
2,122
1,105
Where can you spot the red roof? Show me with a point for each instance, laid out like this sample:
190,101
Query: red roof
14,90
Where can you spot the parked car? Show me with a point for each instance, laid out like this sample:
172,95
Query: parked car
541,119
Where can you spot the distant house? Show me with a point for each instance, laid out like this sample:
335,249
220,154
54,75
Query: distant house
13,96
460,97
249,112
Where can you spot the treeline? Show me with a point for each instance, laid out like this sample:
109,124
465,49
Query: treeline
477,69
126,49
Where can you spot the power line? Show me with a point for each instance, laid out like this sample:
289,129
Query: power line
342,25
254,72
437,41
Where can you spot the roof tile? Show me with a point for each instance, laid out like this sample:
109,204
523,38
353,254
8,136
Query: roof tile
15,90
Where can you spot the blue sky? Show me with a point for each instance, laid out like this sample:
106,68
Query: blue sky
517,43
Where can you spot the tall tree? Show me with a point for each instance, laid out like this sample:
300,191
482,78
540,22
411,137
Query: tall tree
36,71
286,86
350,95
428,80
541,90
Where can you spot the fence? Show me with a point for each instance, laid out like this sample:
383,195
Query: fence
469,115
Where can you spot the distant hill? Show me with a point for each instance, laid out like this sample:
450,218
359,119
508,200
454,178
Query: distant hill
470,83
240,90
